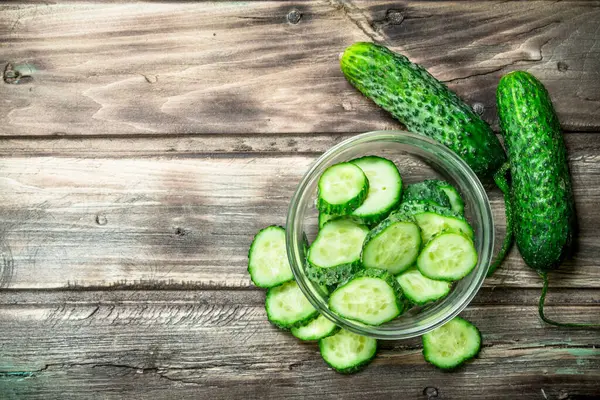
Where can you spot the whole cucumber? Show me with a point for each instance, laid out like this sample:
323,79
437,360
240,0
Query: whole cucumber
542,195
422,103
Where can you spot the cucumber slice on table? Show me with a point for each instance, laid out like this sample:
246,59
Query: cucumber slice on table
448,256
316,329
421,290
385,189
452,344
287,307
347,352
393,245
429,191
372,297
433,219
335,254
342,188
268,264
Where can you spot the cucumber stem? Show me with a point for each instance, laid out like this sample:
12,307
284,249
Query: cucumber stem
544,276
502,183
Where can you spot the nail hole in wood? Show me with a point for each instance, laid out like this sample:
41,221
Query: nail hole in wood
294,17
101,219
430,392
478,108
562,66
180,232
394,17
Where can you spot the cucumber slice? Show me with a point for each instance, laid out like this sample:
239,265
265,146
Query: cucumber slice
456,202
347,352
287,307
433,220
335,254
318,328
421,290
449,256
452,344
372,297
268,263
393,245
385,189
342,188
429,191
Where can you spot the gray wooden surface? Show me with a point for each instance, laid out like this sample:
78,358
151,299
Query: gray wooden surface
143,144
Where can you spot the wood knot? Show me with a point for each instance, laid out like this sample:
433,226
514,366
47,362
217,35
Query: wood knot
294,16
562,66
431,392
394,17
478,108
17,74
101,219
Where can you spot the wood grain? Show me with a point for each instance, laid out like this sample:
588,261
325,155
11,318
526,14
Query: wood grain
92,68
186,219
219,344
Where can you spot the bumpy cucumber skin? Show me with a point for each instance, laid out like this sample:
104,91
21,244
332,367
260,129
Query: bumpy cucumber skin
423,104
465,358
427,190
386,223
542,194
280,324
353,369
375,218
401,301
346,208
250,252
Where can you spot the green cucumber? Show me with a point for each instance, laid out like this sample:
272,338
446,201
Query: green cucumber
324,218
342,188
287,307
347,352
433,219
371,297
452,344
427,107
429,191
335,254
448,256
316,329
542,194
268,263
393,245
421,290
456,202
385,189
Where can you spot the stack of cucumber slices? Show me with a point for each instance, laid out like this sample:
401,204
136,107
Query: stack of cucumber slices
381,250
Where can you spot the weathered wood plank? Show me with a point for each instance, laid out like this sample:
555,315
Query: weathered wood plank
120,68
187,218
220,344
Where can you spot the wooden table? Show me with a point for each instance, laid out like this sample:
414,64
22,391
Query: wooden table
143,144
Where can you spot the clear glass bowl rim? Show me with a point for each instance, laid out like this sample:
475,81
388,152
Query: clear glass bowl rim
294,233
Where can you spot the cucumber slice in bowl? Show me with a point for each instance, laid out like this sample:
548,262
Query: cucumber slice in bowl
429,191
393,245
421,290
335,254
456,202
287,307
371,297
347,352
433,219
385,189
452,344
316,329
342,188
268,263
448,256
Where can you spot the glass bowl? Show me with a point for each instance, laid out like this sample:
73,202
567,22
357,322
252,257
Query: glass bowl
417,158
